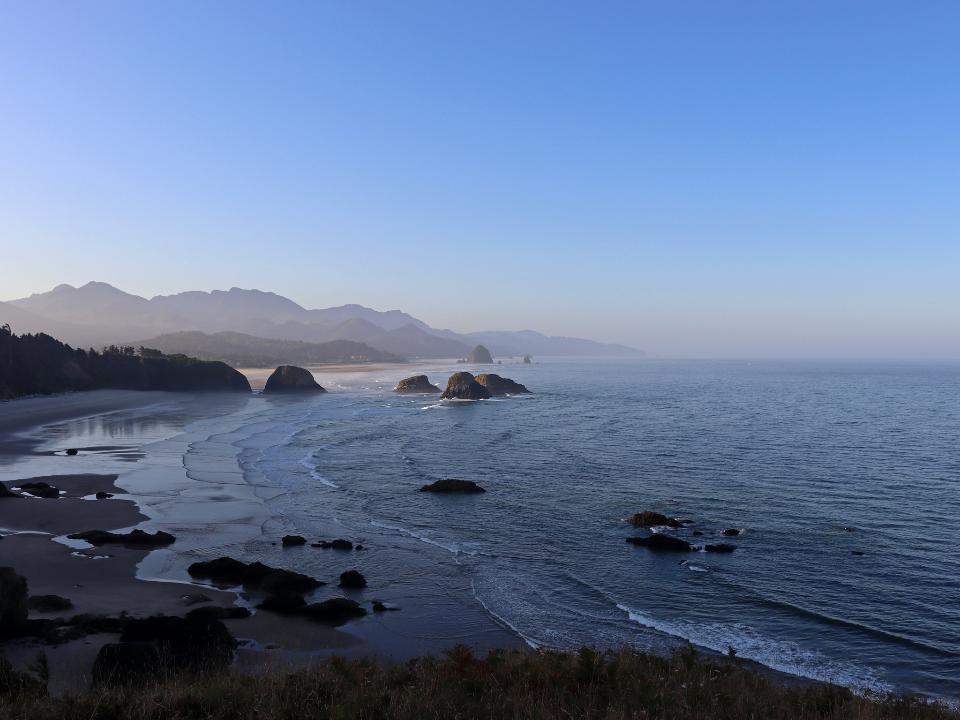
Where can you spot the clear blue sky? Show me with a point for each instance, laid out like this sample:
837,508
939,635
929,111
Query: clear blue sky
695,178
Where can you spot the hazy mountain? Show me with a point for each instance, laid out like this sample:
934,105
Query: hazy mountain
240,350
97,314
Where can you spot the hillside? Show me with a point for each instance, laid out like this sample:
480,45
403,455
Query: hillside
241,350
42,365
97,313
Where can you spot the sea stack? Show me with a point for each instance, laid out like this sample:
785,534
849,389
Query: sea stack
292,379
500,385
416,385
527,359
480,355
463,386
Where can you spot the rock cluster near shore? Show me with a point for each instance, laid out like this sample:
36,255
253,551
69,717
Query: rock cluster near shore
664,542
135,538
292,379
463,386
500,385
416,385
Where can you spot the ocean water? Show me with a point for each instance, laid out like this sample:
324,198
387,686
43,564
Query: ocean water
814,462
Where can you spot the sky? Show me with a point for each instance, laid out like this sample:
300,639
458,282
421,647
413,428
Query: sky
697,179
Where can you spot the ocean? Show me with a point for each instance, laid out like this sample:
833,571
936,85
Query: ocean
842,479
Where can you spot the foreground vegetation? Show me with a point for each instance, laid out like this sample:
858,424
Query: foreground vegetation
525,685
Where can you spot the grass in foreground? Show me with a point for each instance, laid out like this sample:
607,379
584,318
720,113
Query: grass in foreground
525,685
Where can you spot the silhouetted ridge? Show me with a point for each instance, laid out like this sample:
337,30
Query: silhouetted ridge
41,365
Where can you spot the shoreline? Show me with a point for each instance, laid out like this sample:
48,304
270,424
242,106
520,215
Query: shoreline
272,641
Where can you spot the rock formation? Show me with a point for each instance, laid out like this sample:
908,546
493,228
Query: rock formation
463,386
138,538
418,384
453,486
291,379
500,385
480,355
659,541
648,518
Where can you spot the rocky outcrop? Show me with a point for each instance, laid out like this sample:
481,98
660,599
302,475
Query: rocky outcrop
6,492
353,580
49,603
103,495
648,518
500,385
292,379
256,576
41,490
13,601
416,385
463,487
661,542
134,538
527,359
164,644
335,611
730,532
293,540
339,544
480,355
463,386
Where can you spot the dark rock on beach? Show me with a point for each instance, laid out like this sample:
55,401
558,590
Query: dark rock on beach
353,580
134,538
104,495
283,603
335,611
165,644
661,542
227,571
451,485
480,355
292,379
6,492
13,601
293,540
500,385
418,384
648,518
41,490
49,603
463,386
71,451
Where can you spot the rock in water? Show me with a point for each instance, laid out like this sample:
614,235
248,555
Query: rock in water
291,379
659,541
648,518
463,386
13,601
480,355
41,490
293,540
353,580
527,359
720,548
453,486
335,611
418,384
500,385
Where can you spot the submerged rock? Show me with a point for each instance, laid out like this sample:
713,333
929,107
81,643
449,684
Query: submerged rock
291,379
720,548
463,386
453,486
13,601
353,580
659,541
418,384
137,538
648,518
49,603
730,532
480,355
500,385
339,544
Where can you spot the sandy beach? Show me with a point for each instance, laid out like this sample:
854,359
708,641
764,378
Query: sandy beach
133,446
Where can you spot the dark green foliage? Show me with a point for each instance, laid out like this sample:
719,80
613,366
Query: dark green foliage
521,685
40,365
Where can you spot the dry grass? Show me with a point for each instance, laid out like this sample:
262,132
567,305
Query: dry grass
523,685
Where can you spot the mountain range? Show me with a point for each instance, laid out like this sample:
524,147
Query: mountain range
98,314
